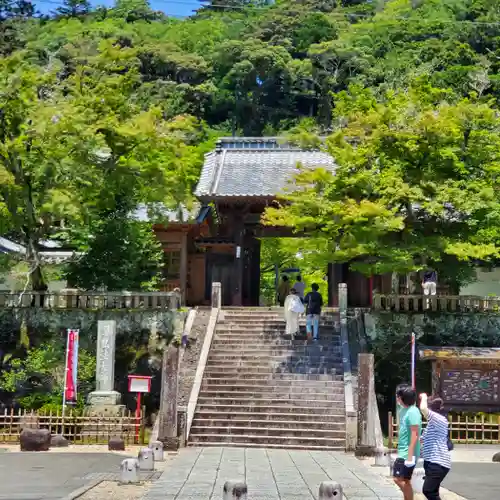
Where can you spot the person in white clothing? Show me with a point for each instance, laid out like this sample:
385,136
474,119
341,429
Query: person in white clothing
293,308
436,446
300,287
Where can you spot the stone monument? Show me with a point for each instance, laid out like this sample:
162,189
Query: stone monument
105,400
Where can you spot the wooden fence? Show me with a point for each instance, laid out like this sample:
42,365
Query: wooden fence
481,429
74,299
75,428
438,303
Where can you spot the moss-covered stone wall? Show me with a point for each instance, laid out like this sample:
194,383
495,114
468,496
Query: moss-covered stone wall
141,337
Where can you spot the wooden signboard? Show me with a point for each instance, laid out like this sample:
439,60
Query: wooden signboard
470,386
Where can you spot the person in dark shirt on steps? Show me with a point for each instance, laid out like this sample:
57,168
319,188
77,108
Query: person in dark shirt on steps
313,302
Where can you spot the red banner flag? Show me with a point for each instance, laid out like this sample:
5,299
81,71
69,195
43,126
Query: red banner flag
70,385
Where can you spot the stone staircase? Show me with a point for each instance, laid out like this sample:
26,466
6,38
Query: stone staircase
263,390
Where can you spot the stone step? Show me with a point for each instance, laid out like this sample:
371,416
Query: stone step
249,342
253,327
298,384
236,444
335,416
275,320
268,431
245,406
272,365
297,388
284,368
241,400
286,423
229,345
252,395
236,374
257,439
243,337
267,358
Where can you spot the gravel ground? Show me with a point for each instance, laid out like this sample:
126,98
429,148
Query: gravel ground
115,491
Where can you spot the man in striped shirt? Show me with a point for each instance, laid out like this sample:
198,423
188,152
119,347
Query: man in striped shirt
436,453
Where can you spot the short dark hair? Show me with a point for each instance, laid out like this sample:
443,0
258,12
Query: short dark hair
293,290
315,287
435,403
299,277
407,394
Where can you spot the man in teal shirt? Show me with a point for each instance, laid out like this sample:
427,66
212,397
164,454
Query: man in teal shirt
410,427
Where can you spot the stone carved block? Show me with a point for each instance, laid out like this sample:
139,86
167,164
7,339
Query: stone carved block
116,444
59,441
35,440
105,366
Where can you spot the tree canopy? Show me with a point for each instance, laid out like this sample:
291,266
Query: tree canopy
416,181
102,109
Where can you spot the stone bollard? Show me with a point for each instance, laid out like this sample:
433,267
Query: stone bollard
157,447
129,471
496,457
235,490
330,489
381,457
146,459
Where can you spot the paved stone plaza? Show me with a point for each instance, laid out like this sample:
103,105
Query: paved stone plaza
200,474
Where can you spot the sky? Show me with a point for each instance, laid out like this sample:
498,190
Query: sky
170,7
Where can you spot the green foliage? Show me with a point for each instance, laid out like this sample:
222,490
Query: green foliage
37,380
287,253
118,254
416,181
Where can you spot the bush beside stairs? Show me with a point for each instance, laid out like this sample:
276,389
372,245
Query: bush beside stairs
261,389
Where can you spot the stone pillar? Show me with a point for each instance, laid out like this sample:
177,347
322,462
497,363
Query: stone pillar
350,411
182,425
366,374
216,295
167,432
105,400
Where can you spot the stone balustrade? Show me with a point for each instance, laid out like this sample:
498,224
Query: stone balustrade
77,299
437,303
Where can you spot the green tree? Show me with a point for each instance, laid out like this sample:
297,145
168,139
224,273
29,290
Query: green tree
74,8
119,253
37,379
416,181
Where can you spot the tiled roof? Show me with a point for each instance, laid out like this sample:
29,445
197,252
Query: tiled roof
260,167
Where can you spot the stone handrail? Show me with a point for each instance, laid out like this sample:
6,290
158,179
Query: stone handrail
77,299
438,303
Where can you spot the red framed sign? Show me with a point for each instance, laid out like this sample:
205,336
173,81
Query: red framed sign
139,383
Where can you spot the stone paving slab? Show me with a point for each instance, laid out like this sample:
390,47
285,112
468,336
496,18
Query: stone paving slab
50,476
271,474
